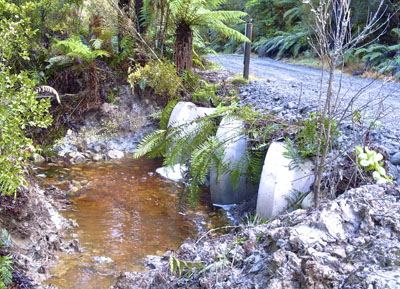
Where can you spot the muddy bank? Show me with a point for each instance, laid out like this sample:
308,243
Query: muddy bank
36,231
351,242
111,131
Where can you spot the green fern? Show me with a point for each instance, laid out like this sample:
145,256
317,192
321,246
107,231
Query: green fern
255,164
74,47
166,113
284,43
201,13
151,143
6,271
382,58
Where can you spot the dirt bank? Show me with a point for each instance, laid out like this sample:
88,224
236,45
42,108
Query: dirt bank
35,231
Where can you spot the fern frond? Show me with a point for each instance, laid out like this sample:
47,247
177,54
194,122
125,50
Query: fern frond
150,142
166,113
201,159
48,89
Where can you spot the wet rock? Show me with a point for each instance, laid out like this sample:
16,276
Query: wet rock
38,158
102,259
75,246
97,157
174,173
115,154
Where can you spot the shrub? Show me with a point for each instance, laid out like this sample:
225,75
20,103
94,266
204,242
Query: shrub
305,144
283,44
160,76
19,107
383,58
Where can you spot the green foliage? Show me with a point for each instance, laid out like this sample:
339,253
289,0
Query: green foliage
202,92
166,113
43,19
253,220
160,76
291,152
255,164
6,269
179,266
19,107
73,48
307,138
240,81
126,52
284,44
382,58
5,261
5,239
305,144
200,13
370,160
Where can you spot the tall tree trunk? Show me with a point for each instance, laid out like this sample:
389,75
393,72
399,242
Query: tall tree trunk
183,48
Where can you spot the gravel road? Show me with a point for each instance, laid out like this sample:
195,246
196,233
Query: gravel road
301,84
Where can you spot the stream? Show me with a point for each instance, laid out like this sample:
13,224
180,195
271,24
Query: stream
125,211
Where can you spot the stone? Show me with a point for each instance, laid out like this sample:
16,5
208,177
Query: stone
395,159
222,190
115,154
392,170
102,259
97,157
76,157
280,181
277,109
38,158
97,148
174,173
291,105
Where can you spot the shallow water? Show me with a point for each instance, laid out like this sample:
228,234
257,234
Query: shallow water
125,211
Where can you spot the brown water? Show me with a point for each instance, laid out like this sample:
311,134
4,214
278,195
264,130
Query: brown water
125,211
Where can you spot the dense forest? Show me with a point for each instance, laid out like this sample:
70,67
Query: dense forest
60,59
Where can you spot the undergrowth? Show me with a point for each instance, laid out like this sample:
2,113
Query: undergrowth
382,58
